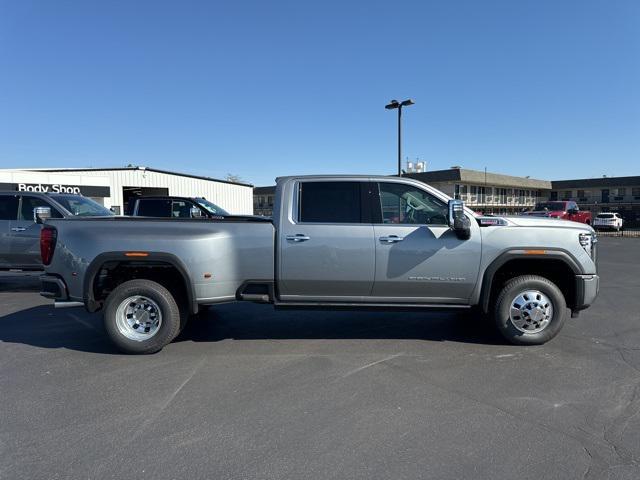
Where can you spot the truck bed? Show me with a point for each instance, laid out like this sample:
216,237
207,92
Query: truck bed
218,255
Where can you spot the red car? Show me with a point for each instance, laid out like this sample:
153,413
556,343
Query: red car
565,210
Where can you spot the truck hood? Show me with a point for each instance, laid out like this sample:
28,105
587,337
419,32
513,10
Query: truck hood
545,213
535,221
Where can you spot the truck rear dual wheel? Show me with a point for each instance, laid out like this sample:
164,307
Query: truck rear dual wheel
141,316
529,310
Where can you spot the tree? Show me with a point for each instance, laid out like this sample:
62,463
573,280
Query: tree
231,177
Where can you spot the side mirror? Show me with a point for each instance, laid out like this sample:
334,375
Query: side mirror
195,212
41,214
458,221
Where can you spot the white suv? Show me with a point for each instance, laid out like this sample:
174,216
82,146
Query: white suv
608,220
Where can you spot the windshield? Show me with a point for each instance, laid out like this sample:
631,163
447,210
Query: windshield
82,206
553,206
212,208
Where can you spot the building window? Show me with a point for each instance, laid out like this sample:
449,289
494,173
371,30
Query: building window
521,197
635,191
457,191
474,193
566,195
502,196
622,192
488,194
481,195
553,196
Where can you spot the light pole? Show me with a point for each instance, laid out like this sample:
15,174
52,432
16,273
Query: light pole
394,104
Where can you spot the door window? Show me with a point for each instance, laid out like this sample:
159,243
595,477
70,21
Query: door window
406,204
8,207
181,209
329,202
29,203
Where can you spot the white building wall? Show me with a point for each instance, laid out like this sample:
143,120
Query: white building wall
236,199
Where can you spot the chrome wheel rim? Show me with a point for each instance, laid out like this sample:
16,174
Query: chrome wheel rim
138,318
531,311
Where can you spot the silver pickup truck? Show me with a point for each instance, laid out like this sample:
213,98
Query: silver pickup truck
333,242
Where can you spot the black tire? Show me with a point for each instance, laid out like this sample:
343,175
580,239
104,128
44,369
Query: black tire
510,290
185,316
171,316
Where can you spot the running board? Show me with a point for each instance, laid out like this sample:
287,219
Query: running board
254,297
67,304
372,306
260,291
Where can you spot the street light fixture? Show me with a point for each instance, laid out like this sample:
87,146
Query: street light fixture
395,105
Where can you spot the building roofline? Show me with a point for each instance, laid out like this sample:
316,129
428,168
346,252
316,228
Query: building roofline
478,177
632,180
110,169
264,189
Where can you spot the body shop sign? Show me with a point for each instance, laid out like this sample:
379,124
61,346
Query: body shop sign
86,190
25,187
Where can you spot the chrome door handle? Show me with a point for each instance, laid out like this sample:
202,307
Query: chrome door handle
298,237
391,239
18,229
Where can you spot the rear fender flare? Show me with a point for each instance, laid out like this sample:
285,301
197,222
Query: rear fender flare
96,264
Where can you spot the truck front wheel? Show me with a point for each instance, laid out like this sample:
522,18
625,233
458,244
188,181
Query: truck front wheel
141,316
529,310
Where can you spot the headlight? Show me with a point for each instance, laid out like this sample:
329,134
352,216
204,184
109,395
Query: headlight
588,242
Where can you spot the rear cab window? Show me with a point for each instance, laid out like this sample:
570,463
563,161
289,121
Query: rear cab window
331,202
8,207
154,207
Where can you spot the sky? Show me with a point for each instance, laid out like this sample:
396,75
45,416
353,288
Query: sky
260,89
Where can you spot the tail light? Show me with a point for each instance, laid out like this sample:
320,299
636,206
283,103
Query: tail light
48,237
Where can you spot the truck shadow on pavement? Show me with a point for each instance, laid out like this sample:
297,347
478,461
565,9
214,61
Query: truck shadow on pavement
75,329
260,322
45,327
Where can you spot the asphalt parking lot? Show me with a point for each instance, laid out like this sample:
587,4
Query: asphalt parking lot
247,392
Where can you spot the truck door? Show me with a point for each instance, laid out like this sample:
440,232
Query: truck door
326,250
25,233
8,213
419,259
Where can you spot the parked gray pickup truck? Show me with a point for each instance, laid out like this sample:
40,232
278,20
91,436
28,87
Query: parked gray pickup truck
19,232
333,242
